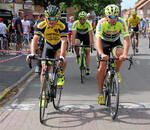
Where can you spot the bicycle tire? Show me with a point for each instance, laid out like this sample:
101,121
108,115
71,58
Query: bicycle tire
82,70
42,109
133,46
113,94
57,99
105,89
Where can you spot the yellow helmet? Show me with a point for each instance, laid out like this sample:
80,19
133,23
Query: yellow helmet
112,10
133,13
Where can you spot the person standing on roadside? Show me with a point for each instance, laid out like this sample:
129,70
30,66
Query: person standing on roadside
26,28
70,23
19,31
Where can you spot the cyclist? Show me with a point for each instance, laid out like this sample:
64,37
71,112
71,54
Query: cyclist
82,32
134,23
143,26
70,23
55,34
108,40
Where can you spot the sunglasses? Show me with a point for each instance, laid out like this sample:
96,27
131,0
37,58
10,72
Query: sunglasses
52,19
113,17
81,19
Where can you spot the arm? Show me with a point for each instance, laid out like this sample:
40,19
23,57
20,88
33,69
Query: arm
19,28
73,36
126,46
34,43
98,42
63,46
91,37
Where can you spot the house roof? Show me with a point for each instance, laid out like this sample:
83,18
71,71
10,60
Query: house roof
139,3
141,6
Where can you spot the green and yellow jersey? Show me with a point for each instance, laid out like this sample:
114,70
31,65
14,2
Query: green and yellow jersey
52,35
82,28
110,32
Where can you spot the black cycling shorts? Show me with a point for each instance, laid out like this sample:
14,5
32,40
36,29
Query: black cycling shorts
135,29
50,51
83,38
108,46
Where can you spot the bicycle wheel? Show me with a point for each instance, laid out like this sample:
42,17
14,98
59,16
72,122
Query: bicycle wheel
55,90
57,98
43,107
82,69
113,96
105,89
133,46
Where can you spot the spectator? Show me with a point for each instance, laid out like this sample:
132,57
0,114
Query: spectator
19,31
3,32
26,28
70,23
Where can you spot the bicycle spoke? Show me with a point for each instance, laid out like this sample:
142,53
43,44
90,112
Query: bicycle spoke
114,97
43,105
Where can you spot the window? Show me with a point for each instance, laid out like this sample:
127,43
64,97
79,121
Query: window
148,11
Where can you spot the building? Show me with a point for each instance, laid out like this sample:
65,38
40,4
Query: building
143,8
26,6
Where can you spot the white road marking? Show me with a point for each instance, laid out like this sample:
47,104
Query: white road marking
15,106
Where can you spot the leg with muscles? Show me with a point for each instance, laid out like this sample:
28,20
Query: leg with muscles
100,78
87,58
117,52
77,42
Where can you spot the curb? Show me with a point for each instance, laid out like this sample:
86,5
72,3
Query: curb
12,87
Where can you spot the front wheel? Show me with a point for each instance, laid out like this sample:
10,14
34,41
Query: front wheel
42,104
114,96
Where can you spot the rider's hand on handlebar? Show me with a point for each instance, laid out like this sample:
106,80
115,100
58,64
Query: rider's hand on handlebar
104,57
123,57
30,56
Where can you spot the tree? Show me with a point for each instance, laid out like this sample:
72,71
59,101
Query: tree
86,5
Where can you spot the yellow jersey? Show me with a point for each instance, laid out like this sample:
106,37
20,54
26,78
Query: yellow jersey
52,35
134,21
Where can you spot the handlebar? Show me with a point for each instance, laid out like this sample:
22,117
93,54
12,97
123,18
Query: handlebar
45,59
130,59
82,46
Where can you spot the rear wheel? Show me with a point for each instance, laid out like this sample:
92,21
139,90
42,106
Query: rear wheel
57,98
113,97
133,46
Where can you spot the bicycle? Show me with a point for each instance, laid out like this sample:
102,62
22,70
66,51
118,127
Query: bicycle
111,86
82,63
52,92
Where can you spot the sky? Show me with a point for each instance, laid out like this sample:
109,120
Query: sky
127,4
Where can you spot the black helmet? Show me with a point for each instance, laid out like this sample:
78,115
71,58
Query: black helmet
52,10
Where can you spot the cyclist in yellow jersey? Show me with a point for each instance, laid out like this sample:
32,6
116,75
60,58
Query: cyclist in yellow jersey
82,32
134,24
108,32
55,34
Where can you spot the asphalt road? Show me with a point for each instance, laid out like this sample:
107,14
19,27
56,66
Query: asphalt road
79,108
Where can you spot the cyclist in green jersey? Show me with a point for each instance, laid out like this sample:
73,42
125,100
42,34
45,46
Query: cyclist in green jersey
82,32
108,40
